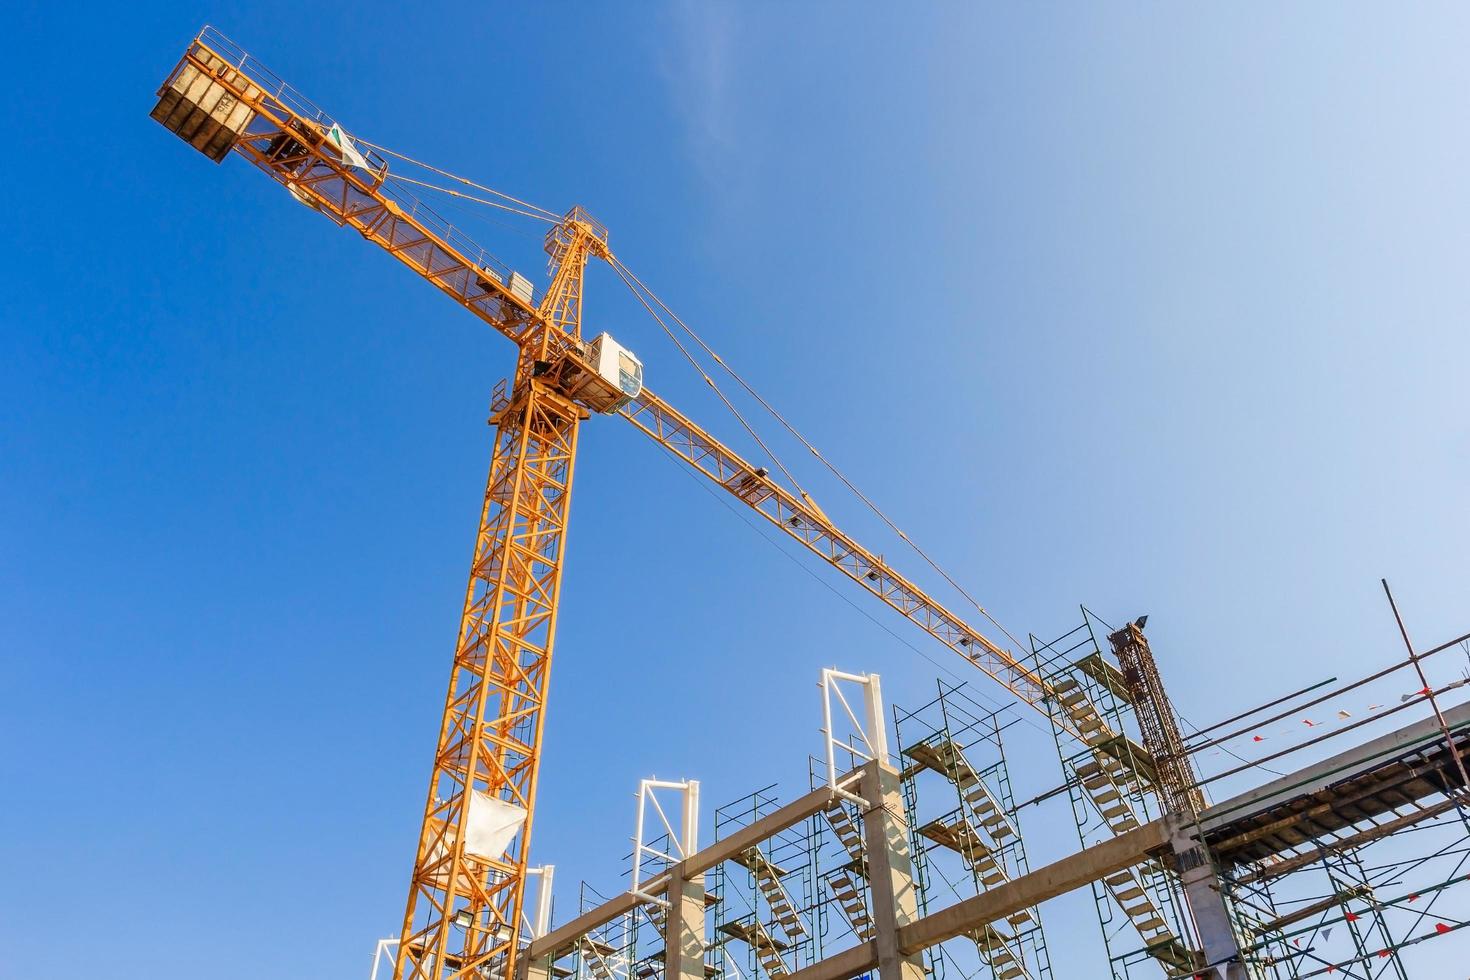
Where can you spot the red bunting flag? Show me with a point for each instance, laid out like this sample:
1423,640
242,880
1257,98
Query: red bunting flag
1257,738
1352,917
1442,928
1383,954
1413,896
1309,723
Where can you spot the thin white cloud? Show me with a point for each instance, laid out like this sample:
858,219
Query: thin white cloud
699,69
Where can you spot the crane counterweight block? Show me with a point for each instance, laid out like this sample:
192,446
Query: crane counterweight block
198,104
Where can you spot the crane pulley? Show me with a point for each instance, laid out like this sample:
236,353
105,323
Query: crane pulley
463,915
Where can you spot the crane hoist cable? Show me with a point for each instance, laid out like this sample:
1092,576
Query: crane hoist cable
548,215
640,290
623,274
470,197
994,703
624,271
471,211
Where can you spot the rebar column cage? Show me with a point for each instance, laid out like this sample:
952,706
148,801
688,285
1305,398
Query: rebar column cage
964,834
1141,911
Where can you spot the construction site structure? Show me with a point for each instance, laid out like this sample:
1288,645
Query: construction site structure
828,888
1111,781
842,880
962,812
466,898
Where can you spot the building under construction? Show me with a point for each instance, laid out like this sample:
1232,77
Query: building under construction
907,852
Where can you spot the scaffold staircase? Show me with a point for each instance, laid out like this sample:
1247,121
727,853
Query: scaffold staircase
1072,698
844,886
960,836
847,835
965,832
1160,941
995,947
945,758
844,883
767,948
595,954
1109,786
1117,771
768,881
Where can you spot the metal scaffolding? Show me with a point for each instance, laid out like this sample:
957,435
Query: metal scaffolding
912,863
1141,910
965,834
768,920
1356,899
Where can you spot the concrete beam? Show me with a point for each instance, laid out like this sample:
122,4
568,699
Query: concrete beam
563,936
1031,889
1321,775
840,966
747,837
1055,879
690,868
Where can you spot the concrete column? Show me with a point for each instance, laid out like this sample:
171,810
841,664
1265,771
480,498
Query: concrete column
533,969
1206,900
684,928
890,871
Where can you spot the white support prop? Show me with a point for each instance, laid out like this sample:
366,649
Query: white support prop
541,925
870,729
383,953
684,840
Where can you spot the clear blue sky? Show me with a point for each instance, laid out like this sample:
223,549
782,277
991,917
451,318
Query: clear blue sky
1156,308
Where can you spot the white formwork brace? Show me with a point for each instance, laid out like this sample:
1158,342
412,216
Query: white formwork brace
684,840
541,925
384,949
868,738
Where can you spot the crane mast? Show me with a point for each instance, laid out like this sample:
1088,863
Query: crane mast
468,887
463,915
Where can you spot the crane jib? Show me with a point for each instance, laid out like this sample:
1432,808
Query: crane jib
808,525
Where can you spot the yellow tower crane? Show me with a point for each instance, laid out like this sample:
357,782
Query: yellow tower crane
467,890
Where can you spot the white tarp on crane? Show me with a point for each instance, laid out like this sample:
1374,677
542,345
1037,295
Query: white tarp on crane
346,147
490,825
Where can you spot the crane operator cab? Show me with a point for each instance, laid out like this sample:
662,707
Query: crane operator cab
610,376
